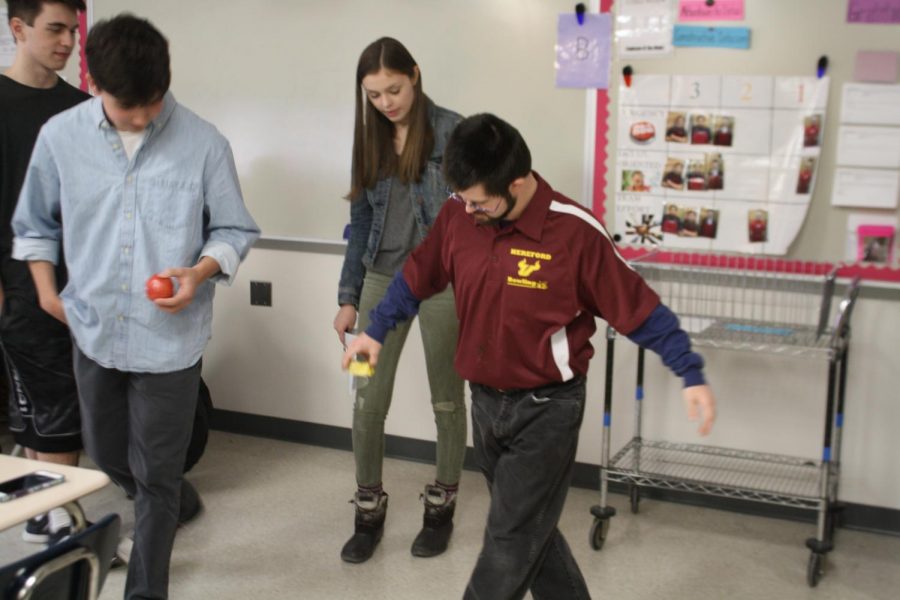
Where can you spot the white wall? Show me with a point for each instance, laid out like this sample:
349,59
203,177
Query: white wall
283,362
277,78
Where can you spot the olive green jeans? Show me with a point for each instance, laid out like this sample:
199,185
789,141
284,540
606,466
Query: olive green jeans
440,328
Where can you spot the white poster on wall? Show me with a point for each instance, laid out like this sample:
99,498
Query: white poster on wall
868,155
717,163
870,103
644,28
870,188
867,146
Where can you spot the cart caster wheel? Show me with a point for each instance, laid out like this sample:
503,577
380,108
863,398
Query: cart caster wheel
598,533
634,493
815,568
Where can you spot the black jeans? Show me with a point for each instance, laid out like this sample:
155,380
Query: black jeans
525,442
136,428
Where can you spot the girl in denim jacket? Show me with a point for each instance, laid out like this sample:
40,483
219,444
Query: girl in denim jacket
397,190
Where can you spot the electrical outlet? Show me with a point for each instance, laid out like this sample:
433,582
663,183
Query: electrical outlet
260,293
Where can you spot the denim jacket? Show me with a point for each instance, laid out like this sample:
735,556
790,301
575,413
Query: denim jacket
367,212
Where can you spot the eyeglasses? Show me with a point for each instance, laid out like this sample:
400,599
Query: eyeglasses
477,207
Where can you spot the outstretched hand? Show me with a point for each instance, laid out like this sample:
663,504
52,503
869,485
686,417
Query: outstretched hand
363,345
701,405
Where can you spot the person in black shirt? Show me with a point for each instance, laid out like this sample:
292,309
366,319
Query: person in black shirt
37,349
689,226
676,131
700,133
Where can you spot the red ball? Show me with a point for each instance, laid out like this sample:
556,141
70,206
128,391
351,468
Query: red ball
159,287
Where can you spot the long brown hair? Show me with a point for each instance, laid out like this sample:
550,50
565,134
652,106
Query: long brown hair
373,147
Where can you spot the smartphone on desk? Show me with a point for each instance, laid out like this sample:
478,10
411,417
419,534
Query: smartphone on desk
26,484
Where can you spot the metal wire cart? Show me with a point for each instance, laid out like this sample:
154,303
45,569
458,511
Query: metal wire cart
741,303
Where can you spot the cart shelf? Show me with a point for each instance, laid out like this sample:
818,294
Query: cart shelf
758,476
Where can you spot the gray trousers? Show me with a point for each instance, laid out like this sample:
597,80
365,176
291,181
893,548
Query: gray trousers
439,327
136,427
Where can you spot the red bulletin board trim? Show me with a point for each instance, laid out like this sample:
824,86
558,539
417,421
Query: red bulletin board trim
741,262
865,271
82,59
761,262
600,136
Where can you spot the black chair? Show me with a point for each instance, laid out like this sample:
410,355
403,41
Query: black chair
75,568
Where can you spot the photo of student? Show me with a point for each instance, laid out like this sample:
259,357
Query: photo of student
876,249
690,227
673,174
675,129
805,177
671,221
715,172
758,225
696,176
633,181
812,129
700,132
723,127
709,222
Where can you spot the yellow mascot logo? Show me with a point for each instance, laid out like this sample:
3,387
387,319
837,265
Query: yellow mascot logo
525,270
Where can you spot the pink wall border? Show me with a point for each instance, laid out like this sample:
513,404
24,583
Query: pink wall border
600,137
82,59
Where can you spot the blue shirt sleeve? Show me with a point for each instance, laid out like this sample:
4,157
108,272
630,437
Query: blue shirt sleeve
230,230
662,334
398,305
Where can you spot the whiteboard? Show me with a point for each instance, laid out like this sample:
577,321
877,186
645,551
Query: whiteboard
277,77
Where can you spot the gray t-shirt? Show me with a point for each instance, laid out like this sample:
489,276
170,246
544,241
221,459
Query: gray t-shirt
401,234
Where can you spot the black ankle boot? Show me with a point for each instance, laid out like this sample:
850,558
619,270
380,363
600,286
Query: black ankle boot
437,523
371,509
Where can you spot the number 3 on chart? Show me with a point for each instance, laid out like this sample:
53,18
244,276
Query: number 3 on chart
696,93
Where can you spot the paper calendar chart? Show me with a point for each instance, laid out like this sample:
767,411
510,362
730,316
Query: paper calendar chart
717,163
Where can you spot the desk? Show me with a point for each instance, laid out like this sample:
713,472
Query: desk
79,482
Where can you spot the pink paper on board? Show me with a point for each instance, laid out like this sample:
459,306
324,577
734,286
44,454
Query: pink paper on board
875,67
873,11
719,10
875,243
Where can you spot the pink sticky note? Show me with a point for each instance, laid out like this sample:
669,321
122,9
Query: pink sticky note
873,11
875,243
875,67
717,10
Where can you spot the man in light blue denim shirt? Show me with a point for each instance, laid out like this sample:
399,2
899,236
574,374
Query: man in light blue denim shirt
145,187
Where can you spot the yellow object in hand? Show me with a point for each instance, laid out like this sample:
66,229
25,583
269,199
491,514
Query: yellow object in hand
361,368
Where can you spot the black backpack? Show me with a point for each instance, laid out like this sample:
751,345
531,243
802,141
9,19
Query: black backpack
200,434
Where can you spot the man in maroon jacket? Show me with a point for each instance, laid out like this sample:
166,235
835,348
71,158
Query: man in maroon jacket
531,270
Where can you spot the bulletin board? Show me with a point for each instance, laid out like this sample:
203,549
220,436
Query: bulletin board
787,41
